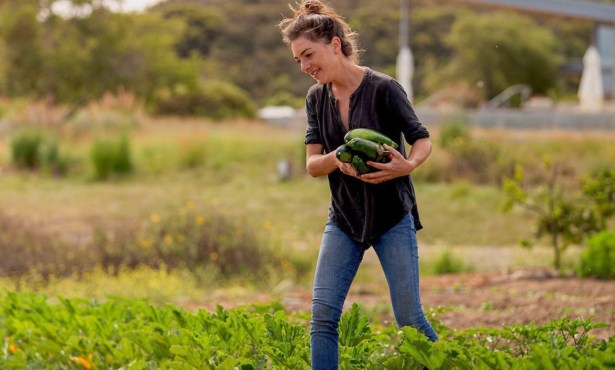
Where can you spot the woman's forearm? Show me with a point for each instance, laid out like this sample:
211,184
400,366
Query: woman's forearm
321,164
420,151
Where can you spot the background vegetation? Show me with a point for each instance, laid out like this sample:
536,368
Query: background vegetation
221,58
131,166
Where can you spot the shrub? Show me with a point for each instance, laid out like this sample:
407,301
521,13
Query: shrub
213,99
453,131
28,249
479,161
111,157
26,149
201,241
598,258
34,150
449,263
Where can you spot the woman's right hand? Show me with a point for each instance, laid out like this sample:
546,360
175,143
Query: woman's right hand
347,169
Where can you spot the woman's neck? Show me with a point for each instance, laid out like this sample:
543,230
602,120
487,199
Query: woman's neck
349,80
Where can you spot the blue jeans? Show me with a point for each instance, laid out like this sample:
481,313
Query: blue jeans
338,261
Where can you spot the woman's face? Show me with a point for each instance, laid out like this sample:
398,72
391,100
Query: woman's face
316,57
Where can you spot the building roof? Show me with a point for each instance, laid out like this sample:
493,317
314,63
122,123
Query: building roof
597,12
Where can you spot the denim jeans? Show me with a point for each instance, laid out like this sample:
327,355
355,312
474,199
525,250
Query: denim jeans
338,261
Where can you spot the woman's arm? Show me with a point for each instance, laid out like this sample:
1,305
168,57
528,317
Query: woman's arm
399,166
419,152
319,164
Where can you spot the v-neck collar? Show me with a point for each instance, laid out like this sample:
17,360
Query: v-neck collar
366,74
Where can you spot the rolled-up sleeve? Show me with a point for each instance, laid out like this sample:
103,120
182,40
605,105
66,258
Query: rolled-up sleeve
404,114
312,133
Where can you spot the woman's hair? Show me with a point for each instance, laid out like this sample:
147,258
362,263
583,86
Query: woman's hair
317,22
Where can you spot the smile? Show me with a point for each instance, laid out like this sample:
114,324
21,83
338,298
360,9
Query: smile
313,73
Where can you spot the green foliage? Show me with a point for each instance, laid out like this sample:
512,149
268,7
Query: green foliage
76,59
476,160
488,51
111,157
559,344
562,217
453,132
75,333
449,263
213,99
598,258
207,242
25,149
600,188
34,150
79,59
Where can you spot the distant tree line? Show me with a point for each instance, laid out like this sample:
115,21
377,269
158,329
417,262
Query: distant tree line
225,57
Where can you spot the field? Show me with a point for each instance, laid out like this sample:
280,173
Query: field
224,178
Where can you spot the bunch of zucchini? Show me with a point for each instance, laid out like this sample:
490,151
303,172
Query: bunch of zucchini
362,145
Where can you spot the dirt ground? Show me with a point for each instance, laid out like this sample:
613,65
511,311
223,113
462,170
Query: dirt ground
475,300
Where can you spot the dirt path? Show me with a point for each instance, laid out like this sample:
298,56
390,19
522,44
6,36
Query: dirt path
474,300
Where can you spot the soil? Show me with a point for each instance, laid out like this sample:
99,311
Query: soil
492,299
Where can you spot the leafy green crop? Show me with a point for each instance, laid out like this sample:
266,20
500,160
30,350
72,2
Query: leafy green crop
44,333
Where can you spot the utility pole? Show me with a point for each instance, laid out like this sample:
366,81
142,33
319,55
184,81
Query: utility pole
405,61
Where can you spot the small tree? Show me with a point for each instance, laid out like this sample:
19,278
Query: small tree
562,217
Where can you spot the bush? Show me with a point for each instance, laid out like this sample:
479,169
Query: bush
200,241
34,150
453,131
480,161
598,258
213,99
449,263
25,149
111,157
28,249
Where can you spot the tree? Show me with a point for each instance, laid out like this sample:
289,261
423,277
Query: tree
497,50
22,36
562,217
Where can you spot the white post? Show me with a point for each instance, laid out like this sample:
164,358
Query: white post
591,91
405,60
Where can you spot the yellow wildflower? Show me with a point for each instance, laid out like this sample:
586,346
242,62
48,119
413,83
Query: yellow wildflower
83,361
155,218
145,244
213,256
189,204
12,348
168,239
200,220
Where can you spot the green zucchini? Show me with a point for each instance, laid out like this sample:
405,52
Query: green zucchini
369,134
369,150
359,164
344,153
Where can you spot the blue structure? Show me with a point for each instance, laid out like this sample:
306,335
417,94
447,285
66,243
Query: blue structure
602,15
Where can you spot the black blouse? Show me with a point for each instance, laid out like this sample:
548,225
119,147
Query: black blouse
366,211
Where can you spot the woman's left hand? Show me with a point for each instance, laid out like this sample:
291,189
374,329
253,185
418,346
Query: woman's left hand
397,167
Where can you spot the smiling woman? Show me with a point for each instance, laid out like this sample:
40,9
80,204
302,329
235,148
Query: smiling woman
376,209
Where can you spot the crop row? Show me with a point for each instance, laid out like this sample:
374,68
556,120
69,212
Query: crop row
57,333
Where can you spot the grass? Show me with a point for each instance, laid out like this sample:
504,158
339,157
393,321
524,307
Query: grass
233,167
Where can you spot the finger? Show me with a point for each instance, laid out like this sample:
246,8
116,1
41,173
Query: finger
377,165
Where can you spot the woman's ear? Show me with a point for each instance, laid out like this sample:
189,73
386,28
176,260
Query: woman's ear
337,44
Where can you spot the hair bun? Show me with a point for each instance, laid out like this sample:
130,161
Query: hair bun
312,7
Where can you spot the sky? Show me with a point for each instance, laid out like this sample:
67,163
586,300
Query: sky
137,5
62,7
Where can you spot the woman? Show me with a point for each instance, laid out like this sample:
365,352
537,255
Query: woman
377,209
